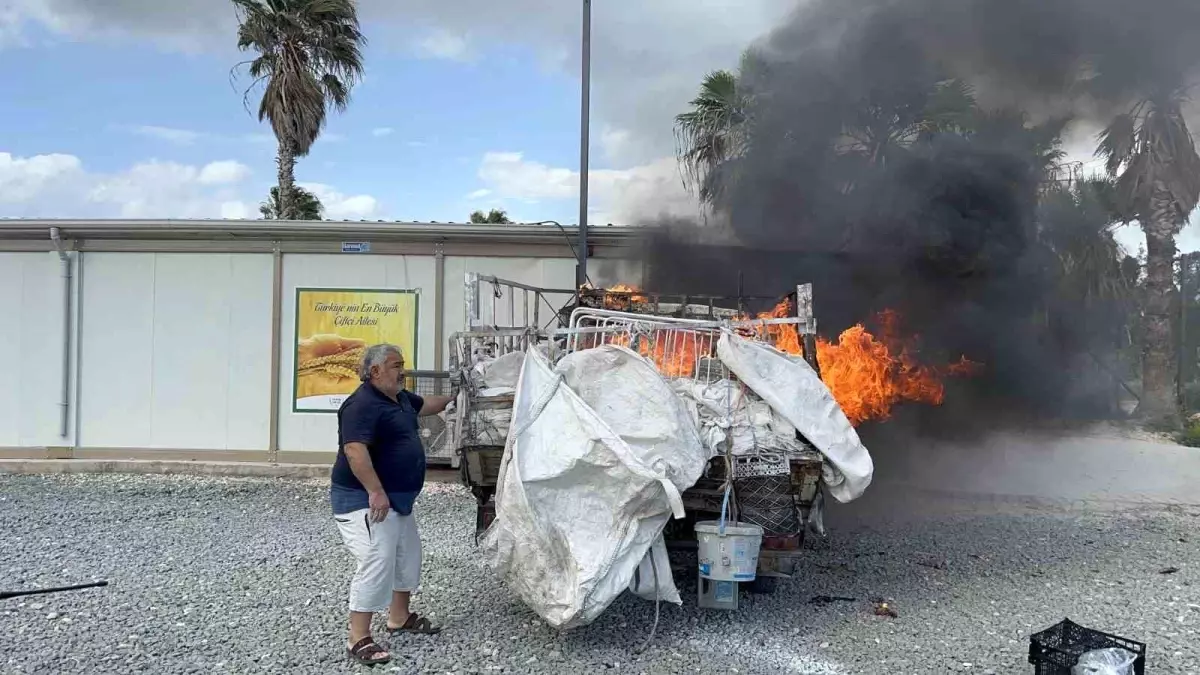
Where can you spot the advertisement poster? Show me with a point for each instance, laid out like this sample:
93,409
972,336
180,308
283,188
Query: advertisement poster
334,326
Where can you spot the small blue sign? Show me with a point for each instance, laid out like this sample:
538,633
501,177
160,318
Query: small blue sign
356,247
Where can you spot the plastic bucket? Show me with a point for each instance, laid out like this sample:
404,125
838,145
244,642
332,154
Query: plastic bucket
732,556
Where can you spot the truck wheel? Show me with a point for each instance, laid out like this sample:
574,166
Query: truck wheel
763,585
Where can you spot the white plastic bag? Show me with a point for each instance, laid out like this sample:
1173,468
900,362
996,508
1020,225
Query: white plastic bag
1110,661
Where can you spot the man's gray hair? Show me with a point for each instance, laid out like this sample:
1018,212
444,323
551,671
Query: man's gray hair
375,356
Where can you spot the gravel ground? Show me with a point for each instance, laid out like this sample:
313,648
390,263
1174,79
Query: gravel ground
245,575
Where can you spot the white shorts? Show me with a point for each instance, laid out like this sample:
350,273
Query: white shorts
388,555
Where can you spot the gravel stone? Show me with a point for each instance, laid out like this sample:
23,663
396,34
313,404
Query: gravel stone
249,576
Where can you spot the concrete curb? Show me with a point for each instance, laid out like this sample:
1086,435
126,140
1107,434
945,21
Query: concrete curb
194,468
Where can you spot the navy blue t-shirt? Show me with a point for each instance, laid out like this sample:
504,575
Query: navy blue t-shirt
391,433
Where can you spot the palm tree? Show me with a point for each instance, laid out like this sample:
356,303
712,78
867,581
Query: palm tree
881,127
309,57
713,135
1077,222
1039,144
305,205
494,217
1150,152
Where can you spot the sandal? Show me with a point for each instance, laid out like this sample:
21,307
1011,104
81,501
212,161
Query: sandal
416,624
366,651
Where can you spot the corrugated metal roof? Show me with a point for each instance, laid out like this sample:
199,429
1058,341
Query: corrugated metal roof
310,230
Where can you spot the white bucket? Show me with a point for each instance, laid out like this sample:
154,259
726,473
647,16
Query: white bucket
732,556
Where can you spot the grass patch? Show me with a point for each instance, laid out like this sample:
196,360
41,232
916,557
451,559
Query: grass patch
1190,436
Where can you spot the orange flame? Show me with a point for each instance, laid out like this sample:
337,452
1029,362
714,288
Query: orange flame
673,352
620,297
868,376
785,337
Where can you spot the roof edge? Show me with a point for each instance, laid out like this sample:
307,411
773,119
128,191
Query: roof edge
306,230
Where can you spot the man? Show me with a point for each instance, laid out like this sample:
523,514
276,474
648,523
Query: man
379,472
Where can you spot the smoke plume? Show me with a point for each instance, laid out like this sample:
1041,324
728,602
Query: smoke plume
946,231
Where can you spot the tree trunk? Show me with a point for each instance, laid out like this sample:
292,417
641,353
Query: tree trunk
287,178
1159,401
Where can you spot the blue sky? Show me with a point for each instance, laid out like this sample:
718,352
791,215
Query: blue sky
413,138
125,108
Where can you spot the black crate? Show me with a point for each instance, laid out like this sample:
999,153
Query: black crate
1055,650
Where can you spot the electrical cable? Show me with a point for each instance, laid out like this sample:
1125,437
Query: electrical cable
657,603
569,244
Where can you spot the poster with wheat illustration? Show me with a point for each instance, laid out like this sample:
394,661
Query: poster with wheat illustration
334,327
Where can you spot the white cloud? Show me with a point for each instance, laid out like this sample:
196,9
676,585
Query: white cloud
236,210
479,194
60,186
22,179
224,172
511,176
159,189
620,197
339,206
441,44
382,131
616,144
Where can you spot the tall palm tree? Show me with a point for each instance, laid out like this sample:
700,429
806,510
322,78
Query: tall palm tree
713,135
1150,152
309,57
305,205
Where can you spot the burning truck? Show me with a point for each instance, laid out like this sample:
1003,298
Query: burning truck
596,440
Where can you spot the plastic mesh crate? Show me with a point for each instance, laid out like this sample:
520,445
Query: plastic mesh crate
427,382
1055,650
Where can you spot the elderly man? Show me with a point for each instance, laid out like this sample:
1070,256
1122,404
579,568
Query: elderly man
379,472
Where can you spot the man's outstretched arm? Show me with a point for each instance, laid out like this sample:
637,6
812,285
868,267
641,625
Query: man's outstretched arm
434,405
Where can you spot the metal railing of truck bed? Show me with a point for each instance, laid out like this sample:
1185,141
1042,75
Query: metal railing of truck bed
511,304
679,347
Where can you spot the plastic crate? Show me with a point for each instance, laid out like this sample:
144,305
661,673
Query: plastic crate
1055,650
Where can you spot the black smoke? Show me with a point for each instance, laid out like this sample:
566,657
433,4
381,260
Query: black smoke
946,231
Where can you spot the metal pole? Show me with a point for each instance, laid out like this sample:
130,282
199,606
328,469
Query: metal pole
64,404
584,120
1185,294
276,348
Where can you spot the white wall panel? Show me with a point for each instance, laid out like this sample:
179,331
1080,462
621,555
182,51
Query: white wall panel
318,431
31,333
176,351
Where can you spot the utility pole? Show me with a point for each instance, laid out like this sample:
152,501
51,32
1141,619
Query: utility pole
584,120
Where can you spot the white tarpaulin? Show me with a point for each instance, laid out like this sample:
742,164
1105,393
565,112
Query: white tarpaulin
792,388
599,451
724,413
